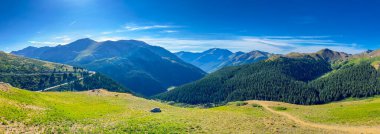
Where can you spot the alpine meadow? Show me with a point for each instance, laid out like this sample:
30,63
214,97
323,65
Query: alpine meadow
189,66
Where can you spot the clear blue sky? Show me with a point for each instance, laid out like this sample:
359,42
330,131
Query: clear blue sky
278,26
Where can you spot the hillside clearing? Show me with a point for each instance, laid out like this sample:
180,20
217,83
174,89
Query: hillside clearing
100,111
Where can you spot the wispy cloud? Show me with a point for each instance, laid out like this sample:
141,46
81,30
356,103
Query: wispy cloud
107,32
138,28
43,43
169,31
64,39
248,43
72,23
135,27
273,44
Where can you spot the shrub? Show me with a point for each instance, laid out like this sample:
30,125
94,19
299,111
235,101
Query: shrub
171,103
256,105
280,108
241,103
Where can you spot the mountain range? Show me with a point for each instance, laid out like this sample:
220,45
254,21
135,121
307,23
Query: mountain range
299,78
216,58
145,69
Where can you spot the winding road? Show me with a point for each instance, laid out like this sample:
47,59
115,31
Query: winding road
50,88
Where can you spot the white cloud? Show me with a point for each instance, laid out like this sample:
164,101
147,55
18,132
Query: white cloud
43,43
282,46
273,44
113,38
72,23
169,31
108,32
134,27
63,38
138,28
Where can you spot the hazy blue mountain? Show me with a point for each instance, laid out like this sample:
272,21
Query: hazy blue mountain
143,68
214,59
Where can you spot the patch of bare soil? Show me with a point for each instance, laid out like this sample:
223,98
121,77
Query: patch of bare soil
105,92
4,87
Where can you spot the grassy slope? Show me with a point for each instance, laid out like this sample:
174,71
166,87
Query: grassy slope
357,112
19,64
107,112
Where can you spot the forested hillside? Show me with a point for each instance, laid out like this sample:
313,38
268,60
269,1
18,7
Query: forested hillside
300,80
39,75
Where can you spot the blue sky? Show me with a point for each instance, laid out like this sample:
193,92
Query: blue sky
278,26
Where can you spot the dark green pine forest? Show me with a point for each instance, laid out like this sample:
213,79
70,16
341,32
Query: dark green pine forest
96,81
301,80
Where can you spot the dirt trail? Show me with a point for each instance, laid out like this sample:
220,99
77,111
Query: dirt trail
5,87
348,129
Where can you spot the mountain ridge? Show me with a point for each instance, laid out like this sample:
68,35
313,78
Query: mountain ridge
217,58
143,68
309,78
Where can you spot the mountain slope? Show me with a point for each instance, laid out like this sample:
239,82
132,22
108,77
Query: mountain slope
39,75
100,111
143,68
306,79
214,59
324,54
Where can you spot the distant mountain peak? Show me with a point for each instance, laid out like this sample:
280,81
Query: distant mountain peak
217,50
325,50
30,47
216,58
324,54
369,51
86,39
257,52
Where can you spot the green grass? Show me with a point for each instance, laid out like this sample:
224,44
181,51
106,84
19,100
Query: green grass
107,112
352,111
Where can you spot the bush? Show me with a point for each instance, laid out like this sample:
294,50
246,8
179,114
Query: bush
241,103
256,105
280,108
171,103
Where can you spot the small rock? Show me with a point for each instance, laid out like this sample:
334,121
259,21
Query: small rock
155,110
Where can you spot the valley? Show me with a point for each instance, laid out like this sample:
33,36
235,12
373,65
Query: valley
100,111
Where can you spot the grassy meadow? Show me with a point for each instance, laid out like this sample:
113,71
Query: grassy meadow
353,112
100,111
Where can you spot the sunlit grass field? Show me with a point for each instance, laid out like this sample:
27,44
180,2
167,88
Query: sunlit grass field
355,112
107,112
